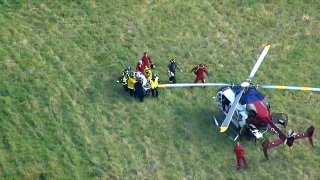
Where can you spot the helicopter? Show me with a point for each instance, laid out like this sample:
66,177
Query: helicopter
247,111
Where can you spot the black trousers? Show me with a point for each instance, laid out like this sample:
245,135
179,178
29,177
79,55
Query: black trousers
173,79
140,96
154,92
131,92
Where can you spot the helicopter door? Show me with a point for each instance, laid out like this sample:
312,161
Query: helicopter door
225,103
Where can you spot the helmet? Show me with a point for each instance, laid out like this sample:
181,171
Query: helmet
172,61
201,65
128,67
154,75
132,74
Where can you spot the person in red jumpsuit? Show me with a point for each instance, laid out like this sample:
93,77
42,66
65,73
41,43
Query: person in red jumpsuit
146,60
200,70
140,67
239,151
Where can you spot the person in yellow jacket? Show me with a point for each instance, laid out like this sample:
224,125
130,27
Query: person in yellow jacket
154,85
148,73
131,82
124,77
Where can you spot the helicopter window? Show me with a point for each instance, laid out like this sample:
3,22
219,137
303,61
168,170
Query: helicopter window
266,104
251,109
225,103
219,96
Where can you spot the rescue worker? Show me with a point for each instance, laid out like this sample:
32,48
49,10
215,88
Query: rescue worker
154,85
171,69
131,82
124,77
199,71
140,67
138,90
239,151
146,60
148,73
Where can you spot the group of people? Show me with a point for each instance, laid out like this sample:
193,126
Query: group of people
143,80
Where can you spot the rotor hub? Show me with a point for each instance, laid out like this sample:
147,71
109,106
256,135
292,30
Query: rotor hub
245,84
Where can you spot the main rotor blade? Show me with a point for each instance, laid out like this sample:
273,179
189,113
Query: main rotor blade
226,122
192,85
301,88
258,63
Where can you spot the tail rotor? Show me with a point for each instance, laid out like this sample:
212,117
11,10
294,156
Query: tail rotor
266,145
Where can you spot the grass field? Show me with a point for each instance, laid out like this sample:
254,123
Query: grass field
63,116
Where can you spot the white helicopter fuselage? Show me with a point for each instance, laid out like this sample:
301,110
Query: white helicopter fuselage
224,98
240,115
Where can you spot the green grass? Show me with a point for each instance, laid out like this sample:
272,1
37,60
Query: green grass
63,116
